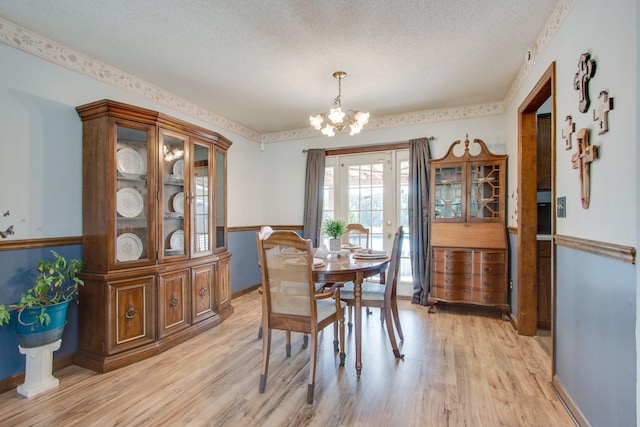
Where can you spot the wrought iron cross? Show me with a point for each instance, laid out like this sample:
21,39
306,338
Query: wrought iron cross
581,160
568,131
586,70
601,112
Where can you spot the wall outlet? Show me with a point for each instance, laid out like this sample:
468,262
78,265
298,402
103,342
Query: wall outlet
561,207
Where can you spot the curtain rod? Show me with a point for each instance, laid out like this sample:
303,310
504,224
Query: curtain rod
305,150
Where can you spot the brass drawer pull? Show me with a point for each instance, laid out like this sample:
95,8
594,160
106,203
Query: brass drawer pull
131,312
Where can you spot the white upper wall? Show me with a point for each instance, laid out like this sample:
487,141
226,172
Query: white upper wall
607,30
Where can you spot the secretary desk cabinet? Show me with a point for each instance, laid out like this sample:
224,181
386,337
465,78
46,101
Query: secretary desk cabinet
468,230
154,234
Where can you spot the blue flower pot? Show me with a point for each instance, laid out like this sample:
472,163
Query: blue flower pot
31,333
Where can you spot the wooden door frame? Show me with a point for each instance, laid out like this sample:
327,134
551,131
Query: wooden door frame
527,320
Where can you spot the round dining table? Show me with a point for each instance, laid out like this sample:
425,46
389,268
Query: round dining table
351,268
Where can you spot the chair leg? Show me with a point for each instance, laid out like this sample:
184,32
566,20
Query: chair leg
343,356
260,332
266,349
312,367
396,318
288,346
392,335
335,337
350,323
305,341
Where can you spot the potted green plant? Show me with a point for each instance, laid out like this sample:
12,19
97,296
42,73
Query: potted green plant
334,228
40,315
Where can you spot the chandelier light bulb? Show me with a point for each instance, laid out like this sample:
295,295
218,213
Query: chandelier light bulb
316,121
362,118
328,130
335,117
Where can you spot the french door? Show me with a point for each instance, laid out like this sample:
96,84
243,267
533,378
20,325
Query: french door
372,189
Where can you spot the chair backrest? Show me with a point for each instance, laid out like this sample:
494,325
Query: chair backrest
356,234
394,265
286,262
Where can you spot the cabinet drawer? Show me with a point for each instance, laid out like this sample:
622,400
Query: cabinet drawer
452,281
452,255
489,268
451,267
487,297
490,256
490,282
451,294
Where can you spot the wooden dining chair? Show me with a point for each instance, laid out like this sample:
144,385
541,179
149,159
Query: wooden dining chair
356,235
383,295
290,301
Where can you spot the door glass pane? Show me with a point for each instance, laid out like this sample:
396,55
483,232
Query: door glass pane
220,201
366,199
133,241
403,205
174,198
201,194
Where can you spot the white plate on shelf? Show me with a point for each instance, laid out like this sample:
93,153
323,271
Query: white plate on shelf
129,247
178,202
178,168
130,161
176,241
129,203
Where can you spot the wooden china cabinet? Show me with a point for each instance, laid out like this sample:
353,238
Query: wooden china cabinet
154,234
469,256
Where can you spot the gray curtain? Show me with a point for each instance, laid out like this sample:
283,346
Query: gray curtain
313,196
419,229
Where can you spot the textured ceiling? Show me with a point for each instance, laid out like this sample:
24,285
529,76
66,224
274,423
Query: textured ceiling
267,64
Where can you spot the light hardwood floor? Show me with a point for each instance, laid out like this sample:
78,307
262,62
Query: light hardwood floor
459,369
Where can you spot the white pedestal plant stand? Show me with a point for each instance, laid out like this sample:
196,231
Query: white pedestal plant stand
38,369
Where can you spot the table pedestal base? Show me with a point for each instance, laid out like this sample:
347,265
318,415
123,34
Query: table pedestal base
38,369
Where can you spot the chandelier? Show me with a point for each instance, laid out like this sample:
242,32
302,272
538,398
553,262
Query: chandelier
336,119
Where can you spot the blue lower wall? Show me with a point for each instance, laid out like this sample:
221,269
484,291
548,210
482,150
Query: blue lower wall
595,340
244,260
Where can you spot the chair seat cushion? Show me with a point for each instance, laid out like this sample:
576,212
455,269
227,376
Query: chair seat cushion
370,291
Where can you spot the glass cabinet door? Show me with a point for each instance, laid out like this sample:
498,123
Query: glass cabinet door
201,223
173,198
133,233
448,192
485,191
221,199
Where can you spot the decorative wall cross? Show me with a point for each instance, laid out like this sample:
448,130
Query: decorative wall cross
601,112
581,160
567,132
586,70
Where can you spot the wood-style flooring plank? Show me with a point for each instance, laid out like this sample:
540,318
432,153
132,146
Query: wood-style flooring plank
461,368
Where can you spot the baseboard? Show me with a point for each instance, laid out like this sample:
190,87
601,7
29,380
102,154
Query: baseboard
569,404
15,380
245,291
